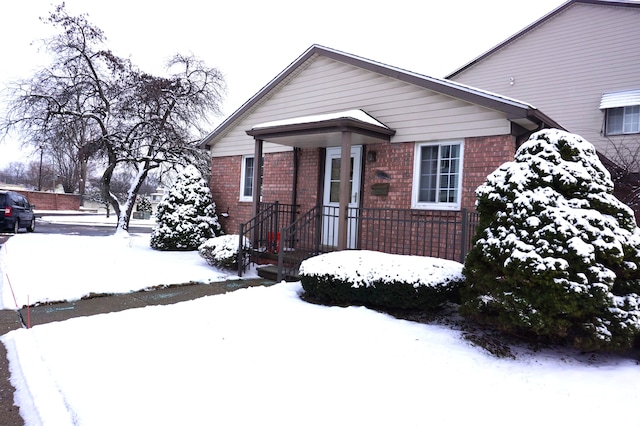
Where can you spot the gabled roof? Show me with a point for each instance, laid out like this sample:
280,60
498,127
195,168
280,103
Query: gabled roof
545,18
514,110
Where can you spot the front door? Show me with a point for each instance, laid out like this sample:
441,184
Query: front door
332,197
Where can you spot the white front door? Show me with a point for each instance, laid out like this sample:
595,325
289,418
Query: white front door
332,197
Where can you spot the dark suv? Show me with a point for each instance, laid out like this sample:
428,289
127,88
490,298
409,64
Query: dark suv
16,212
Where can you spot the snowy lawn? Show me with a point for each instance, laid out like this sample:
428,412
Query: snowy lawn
44,267
263,356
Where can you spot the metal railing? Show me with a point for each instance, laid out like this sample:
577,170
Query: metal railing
262,231
442,234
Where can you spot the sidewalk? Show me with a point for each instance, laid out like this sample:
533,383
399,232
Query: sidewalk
42,314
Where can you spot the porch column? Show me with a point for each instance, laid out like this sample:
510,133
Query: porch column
257,177
345,189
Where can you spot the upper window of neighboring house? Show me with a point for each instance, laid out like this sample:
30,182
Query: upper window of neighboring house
246,178
437,175
623,120
622,112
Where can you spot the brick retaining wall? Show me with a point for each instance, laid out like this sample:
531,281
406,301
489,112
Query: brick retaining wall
52,201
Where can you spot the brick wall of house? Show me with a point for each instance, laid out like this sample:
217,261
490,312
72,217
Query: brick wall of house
225,191
277,180
423,232
310,164
393,165
481,157
52,201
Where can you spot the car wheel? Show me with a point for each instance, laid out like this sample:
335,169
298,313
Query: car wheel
32,225
16,226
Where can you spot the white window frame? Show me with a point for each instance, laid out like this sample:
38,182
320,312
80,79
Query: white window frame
243,174
628,113
415,193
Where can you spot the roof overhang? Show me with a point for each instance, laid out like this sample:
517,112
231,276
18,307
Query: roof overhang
324,130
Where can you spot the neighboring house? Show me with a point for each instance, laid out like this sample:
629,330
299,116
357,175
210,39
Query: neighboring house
581,65
371,156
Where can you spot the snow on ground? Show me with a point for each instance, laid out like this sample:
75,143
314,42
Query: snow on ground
263,356
44,267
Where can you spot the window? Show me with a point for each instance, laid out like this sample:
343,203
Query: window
622,112
437,175
246,177
623,120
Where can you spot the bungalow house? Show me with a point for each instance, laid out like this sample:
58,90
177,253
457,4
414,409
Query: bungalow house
580,64
342,152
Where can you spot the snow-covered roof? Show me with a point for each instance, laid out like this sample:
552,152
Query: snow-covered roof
354,114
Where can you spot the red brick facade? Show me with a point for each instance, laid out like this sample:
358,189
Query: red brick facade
393,165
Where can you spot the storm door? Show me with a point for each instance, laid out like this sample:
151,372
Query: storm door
332,197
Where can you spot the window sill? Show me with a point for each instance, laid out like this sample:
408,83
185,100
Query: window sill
436,206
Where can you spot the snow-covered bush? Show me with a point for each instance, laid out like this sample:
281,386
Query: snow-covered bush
143,204
223,251
186,216
369,278
556,255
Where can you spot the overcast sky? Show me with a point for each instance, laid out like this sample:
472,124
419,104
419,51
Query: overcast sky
251,41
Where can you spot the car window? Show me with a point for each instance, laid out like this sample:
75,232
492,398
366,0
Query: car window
2,199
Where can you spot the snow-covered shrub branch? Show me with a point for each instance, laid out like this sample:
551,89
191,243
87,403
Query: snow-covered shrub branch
223,251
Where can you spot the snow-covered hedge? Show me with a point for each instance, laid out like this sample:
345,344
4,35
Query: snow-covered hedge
222,251
556,255
360,277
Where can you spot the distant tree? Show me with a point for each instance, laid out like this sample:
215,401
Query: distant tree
186,217
14,173
93,98
556,254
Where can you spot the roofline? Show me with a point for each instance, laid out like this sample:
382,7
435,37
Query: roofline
545,18
511,107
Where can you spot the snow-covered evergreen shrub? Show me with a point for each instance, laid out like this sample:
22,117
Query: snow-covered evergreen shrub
186,216
223,251
369,278
143,204
556,255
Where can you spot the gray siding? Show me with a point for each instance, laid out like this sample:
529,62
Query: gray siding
564,65
325,85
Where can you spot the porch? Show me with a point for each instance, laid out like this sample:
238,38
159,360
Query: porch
283,237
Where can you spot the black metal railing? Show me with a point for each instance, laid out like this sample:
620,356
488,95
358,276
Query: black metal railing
262,232
303,240
442,234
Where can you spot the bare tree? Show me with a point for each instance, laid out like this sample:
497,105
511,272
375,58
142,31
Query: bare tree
625,172
136,121
14,173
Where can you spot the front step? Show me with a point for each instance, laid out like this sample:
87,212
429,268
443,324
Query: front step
270,272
